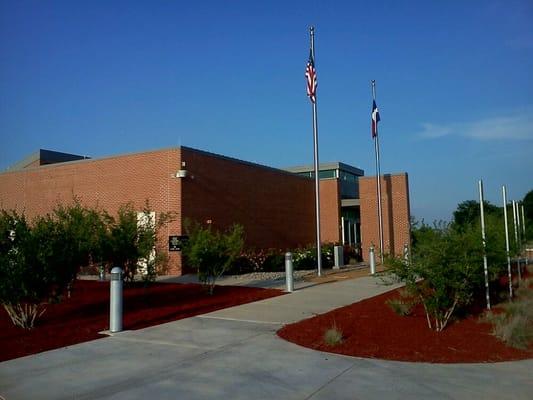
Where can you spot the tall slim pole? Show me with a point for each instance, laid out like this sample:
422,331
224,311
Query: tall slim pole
485,266
378,179
317,177
517,242
504,192
524,233
519,225
519,228
515,223
523,221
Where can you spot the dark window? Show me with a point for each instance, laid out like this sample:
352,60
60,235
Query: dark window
349,185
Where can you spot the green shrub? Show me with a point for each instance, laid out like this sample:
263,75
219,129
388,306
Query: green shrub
333,336
275,262
446,267
305,259
37,264
400,307
241,265
131,241
212,252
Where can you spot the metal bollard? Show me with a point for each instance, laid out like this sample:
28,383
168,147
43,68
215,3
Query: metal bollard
372,260
288,272
115,302
101,273
338,256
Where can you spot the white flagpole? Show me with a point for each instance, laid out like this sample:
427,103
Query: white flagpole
523,221
524,232
517,242
515,223
504,191
485,266
378,178
317,177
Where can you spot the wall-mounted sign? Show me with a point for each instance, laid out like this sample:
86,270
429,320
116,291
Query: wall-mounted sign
176,242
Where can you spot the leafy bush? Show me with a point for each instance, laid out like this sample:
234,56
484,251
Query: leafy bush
275,262
86,229
446,266
212,252
131,241
305,259
37,264
241,265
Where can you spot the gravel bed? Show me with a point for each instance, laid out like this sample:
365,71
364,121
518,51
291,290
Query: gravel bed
269,276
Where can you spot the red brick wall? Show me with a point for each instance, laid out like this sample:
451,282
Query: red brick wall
106,183
275,208
330,211
396,213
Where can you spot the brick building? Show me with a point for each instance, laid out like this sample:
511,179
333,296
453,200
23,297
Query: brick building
275,207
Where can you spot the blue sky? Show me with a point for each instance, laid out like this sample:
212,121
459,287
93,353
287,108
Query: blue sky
454,85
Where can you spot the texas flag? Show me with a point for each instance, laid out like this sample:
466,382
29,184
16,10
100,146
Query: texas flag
375,119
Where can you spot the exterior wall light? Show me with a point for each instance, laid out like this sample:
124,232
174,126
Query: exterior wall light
182,173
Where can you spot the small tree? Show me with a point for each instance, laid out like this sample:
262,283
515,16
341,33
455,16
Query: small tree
468,212
527,203
212,252
37,264
446,267
85,229
132,240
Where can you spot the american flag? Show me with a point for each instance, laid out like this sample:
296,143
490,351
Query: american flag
310,76
375,119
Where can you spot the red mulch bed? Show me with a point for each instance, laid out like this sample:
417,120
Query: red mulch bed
80,318
372,330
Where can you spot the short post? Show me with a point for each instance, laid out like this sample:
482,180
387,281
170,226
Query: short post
288,272
115,302
372,259
101,273
338,256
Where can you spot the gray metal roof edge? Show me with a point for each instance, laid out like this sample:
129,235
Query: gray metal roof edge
388,174
88,159
278,170
326,166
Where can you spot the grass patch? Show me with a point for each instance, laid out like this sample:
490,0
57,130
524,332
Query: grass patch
514,324
404,305
333,336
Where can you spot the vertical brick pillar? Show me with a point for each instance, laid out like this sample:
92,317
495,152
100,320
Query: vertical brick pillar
396,213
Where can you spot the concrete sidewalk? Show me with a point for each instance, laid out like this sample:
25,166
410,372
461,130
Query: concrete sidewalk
235,353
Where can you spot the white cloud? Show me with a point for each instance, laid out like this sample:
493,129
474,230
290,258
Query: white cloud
517,126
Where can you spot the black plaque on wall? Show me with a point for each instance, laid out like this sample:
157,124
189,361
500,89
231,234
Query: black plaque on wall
176,242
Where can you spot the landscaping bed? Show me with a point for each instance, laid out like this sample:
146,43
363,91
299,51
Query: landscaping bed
81,317
371,329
